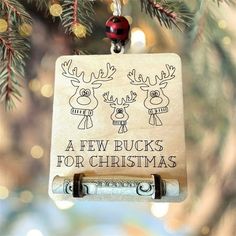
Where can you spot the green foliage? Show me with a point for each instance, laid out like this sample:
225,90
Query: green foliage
77,11
15,11
13,52
40,4
213,69
14,47
168,12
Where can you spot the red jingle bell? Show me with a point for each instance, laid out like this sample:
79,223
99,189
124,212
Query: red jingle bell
117,29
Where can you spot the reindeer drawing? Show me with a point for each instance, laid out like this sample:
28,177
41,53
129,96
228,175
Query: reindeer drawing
84,101
120,115
156,101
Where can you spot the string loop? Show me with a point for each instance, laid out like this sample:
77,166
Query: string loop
117,8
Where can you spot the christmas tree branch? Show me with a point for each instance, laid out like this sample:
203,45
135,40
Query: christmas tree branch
40,4
168,13
16,10
14,49
77,12
77,17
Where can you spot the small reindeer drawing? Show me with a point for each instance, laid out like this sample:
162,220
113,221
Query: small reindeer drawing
156,101
120,115
84,101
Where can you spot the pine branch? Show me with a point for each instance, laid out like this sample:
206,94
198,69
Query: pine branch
8,85
17,45
14,49
40,4
16,11
77,11
208,35
168,12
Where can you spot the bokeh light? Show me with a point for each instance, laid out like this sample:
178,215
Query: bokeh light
36,151
26,196
34,85
138,40
64,205
25,30
222,24
205,230
47,90
226,40
129,19
3,25
34,232
4,192
55,9
79,30
159,209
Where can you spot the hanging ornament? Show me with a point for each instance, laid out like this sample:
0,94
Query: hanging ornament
3,25
25,30
118,130
79,30
117,29
55,8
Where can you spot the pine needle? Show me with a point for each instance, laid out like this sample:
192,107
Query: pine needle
168,13
16,10
84,14
40,4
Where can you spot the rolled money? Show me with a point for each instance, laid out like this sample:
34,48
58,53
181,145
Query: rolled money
80,185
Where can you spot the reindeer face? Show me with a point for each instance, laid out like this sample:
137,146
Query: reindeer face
119,112
84,97
83,101
154,87
119,115
155,101
155,97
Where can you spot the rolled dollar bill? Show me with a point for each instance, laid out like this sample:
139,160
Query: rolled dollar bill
80,186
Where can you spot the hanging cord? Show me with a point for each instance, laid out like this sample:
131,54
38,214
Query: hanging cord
117,8
115,47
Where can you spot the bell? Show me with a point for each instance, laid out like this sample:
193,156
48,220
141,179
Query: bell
117,29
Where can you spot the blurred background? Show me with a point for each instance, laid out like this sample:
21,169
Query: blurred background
208,51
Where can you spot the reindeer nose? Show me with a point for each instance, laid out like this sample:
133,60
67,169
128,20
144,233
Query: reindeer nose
119,115
156,100
83,101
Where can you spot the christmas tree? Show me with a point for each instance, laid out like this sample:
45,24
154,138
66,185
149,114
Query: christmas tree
76,17
34,33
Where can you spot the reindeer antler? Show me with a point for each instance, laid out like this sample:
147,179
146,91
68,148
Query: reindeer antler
130,99
138,81
167,76
103,77
66,67
148,82
108,99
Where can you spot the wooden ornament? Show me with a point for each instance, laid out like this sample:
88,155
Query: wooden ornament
118,129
